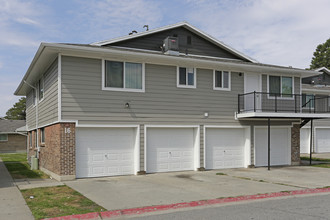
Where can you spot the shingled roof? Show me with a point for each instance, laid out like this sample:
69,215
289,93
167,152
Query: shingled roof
8,126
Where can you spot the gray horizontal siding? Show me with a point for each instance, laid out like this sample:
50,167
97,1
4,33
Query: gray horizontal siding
83,99
30,111
48,107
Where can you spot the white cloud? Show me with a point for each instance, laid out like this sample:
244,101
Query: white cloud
107,19
16,20
278,32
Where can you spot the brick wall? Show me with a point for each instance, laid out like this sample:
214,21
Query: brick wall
295,144
57,154
15,143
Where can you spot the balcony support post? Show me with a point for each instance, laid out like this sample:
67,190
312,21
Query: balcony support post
239,106
254,101
311,144
268,143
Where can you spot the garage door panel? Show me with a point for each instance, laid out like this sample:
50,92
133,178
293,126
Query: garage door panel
105,151
280,146
224,148
170,149
322,140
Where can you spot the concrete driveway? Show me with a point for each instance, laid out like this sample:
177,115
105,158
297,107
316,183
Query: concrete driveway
167,188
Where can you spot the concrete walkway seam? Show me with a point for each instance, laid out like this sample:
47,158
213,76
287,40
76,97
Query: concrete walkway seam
148,209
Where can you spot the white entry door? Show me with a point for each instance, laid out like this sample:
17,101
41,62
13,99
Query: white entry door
104,151
252,83
322,140
225,148
280,146
170,149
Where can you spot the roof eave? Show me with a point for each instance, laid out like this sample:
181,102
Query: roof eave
101,51
18,91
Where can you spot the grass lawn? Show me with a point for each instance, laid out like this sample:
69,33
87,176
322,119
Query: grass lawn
48,202
19,168
13,157
315,159
324,165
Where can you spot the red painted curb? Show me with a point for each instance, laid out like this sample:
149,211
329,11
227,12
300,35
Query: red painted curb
136,211
89,216
147,209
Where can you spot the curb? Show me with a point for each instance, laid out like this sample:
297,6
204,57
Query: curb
148,209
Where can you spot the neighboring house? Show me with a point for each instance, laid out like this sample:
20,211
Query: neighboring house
315,88
168,99
12,140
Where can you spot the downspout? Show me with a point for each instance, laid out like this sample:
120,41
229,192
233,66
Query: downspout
36,103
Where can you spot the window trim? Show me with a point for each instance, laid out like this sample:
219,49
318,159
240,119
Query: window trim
6,135
229,81
178,77
306,107
42,135
41,80
280,97
122,89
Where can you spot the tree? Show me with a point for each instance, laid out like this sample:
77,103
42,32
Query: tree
321,56
17,112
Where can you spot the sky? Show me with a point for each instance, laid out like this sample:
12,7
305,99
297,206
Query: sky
280,32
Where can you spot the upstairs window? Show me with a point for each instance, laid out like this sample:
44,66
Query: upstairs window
280,85
221,80
125,76
186,77
307,100
41,89
3,137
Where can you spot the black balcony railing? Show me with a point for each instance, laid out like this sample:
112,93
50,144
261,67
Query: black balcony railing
280,102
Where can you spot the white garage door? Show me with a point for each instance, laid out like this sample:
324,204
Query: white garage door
224,148
304,140
170,149
322,140
104,151
280,145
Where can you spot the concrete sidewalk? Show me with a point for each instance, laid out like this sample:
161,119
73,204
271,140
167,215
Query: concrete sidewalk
12,203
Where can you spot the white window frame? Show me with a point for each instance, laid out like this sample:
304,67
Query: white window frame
122,89
229,81
41,81
280,97
309,94
178,77
42,135
6,135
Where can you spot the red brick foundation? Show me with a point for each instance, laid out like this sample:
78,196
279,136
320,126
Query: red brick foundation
57,154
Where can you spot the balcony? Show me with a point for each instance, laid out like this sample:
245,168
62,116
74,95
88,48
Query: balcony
261,104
